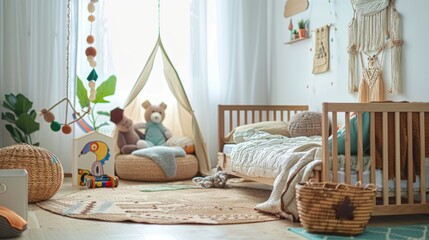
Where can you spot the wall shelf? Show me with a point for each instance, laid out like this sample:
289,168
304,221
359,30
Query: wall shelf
296,40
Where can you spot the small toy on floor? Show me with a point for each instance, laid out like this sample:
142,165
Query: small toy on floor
11,224
218,180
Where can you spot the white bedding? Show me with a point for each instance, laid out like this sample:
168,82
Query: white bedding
265,155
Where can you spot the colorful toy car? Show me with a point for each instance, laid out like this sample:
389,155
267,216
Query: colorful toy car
101,181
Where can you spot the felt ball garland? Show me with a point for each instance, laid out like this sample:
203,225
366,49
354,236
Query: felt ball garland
90,52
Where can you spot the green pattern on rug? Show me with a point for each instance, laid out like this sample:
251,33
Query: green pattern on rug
392,233
168,188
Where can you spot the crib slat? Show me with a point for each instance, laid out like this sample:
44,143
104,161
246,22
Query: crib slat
360,146
385,160
422,158
372,150
397,159
347,147
410,157
334,148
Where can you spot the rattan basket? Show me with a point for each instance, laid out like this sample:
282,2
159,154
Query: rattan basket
45,172
334,208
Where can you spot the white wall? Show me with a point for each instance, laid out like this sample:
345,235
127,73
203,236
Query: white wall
293,82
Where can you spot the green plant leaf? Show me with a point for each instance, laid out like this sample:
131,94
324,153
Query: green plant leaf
103,113
82,94
23,105
107,88
36,144
33,114
15,133
8,117
103,124
9,101
26,124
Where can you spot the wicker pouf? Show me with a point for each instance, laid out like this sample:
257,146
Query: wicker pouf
138,168
45,172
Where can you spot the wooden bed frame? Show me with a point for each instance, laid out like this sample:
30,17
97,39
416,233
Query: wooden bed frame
387,203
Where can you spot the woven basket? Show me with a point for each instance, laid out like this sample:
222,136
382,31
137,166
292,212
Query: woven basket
334,208
138,168
45,172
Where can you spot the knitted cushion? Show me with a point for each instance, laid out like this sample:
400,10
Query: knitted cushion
138,168
305,124
45,172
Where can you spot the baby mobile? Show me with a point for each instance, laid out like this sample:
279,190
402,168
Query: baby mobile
90,52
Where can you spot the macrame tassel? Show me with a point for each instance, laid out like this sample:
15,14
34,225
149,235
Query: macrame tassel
351,49
396,55
363,95
377,90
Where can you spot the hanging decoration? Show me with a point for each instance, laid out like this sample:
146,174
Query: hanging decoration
321,50
374,27
90,52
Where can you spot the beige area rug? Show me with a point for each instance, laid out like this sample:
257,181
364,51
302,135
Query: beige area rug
203,206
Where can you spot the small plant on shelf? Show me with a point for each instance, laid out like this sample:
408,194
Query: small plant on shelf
295,34
302,26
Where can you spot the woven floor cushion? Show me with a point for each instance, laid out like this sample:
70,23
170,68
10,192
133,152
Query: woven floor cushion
137,168
45,172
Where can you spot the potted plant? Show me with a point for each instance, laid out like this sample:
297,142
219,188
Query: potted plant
295,34
21,118
302,24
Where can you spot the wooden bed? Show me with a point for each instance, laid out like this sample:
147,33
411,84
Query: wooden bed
390,116
232,116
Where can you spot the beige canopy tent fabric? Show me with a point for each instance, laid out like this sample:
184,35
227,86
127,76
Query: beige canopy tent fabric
187,120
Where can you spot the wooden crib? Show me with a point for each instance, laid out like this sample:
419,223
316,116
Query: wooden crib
398,142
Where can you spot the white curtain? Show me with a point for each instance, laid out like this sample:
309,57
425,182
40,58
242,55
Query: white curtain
230,59
33,62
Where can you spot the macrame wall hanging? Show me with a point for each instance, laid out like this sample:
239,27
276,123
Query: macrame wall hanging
90,52
374,28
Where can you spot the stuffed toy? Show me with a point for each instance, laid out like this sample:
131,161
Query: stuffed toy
155,133
218,180
129,138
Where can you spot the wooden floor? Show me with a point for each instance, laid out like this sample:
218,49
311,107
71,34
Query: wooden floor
45,225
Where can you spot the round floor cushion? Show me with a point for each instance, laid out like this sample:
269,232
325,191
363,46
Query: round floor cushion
138,168
45,172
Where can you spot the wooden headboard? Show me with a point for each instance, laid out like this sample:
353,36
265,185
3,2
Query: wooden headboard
231,116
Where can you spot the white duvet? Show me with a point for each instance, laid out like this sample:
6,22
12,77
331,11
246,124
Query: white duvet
264,155
289,160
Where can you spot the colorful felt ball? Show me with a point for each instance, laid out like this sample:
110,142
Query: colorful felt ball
93,64
48,116
91,18
91,7
90,39
55,126
66,129
91,84
91,51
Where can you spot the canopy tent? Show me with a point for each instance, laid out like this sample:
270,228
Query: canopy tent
187,119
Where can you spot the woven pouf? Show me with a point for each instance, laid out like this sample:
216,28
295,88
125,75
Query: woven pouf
138,168
45,172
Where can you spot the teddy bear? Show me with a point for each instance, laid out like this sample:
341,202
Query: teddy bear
218,180
155,132
129,137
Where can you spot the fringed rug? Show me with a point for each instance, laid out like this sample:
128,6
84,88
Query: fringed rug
408,232
203,206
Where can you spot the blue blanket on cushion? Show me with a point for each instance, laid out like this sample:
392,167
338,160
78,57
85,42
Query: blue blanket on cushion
164,156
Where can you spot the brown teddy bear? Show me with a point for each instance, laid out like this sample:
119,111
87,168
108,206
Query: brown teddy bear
155,133
129,138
